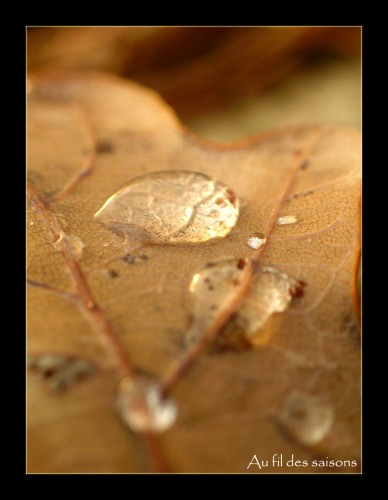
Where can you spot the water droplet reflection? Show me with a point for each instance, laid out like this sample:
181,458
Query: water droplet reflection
286,219
176,206
142,406
256,240
211,288
306,418
271,292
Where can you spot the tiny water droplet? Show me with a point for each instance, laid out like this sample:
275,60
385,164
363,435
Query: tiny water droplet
176,206
255,240
142,407
271,292
210,288
286,219
31,223
306,418
77,245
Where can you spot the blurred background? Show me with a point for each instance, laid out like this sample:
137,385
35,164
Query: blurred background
225,83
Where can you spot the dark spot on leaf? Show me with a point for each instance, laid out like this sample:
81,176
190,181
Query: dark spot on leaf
60,371
227,343
129,259
112,273
104,147
297,290
49,194
132,259
298,152
232,338
231,196
299,195
209,284
304,165
298,412
241,263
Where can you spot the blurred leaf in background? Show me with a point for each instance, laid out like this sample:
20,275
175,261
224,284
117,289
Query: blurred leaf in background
223,82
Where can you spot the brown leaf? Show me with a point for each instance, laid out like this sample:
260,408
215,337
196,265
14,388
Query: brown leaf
125,306
186,64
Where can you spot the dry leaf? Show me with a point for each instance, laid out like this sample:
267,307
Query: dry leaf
125,306
186,64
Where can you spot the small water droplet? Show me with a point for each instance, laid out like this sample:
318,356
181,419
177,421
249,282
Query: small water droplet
142,406
211,287
77,245
176,206
31,223
271,292
255,240
286,219
306,418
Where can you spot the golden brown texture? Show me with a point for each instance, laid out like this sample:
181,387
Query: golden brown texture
90,297
195,69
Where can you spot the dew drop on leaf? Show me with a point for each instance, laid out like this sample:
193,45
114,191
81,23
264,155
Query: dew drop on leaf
176,206
306,418
286,219
256,240
209,289
271,292
142,407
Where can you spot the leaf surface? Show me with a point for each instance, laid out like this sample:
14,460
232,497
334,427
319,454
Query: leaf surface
125,306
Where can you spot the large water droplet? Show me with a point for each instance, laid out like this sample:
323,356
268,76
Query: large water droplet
176,206
306,418
271,292
255,240
142,406
210,288
286,219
